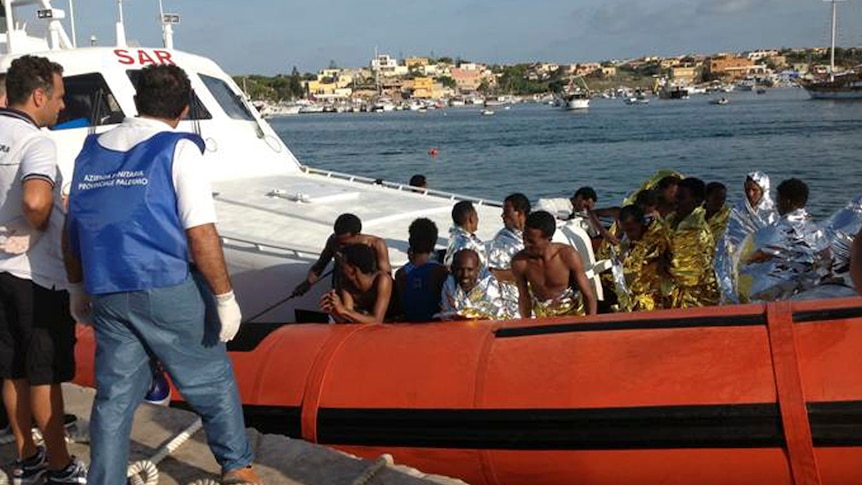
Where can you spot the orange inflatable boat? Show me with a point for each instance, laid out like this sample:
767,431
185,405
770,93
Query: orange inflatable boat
757,394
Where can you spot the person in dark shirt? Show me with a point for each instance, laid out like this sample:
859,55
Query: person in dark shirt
420,281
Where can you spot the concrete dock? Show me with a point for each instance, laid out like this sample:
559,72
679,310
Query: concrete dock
279,460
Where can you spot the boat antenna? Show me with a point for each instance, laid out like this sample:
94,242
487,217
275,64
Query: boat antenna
121,29
167,20
72,22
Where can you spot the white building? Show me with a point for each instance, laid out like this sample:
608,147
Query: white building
387,66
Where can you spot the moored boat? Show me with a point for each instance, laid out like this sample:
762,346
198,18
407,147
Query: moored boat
840,85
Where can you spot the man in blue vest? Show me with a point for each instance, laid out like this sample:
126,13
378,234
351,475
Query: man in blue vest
140,205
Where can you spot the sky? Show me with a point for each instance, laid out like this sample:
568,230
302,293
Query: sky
271,36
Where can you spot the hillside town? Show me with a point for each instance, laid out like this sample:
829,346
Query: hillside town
389,83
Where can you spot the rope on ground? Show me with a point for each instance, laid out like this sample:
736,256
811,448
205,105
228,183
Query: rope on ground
144,472
379,464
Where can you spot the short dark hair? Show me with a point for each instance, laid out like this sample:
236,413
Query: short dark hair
632,212
418,180
543,221
794,191
162,91
347,224
646,197
461,212
519,202
27,74
695,186
667,181
423,235
586,193
713,187
361,256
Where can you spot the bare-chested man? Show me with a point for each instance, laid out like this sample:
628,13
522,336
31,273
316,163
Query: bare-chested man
367,295
346,230
549,274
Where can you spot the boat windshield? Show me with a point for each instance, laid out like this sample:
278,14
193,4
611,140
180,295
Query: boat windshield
197,110
229,101
89,102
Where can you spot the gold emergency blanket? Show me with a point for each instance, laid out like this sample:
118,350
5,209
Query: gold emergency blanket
793,257
568,303
640,288
506,244
692,275
718,224
483,302
460,239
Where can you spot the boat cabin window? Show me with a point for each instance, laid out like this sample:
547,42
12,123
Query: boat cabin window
197,110
89,102
229,101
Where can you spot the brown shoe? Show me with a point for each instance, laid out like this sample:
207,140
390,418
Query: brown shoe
241,476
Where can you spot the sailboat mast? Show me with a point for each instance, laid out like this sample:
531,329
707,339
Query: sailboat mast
832,49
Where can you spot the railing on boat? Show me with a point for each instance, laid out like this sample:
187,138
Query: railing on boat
397,186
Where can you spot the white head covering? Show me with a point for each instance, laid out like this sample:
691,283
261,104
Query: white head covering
744,220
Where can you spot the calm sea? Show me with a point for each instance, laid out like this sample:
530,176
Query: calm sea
544,151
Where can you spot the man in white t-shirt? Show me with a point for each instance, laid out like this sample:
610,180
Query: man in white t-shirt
146,299
37,335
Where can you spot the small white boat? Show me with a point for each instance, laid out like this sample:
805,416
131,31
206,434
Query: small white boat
639,98
487,112
719,101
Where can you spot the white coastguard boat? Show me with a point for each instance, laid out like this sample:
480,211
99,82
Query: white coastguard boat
275,213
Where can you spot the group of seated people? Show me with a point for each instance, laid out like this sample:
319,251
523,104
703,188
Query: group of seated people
675,243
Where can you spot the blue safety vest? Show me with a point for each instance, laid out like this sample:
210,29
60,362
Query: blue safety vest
122,221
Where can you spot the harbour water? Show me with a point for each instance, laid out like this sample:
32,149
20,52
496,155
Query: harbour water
547,152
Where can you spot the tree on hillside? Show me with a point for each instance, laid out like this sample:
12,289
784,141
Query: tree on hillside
295,84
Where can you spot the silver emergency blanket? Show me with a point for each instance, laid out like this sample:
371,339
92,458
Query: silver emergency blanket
460,239
483,302
798,259
506,244
841,228
582,218
744,221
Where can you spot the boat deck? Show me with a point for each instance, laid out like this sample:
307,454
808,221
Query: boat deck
280,460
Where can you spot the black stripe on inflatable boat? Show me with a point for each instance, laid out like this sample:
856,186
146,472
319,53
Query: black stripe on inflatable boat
274,419
720,321
283,420
722,426
827,315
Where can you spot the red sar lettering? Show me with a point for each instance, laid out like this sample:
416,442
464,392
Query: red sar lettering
124,57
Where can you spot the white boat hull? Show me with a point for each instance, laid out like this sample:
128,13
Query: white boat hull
576,104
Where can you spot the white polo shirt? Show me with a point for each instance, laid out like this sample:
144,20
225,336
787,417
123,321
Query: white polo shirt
27,153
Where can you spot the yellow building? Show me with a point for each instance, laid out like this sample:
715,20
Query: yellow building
729,66
416,62
423,88
684,74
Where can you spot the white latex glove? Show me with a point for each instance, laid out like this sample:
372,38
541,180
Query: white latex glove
229,316
79,304
18,237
